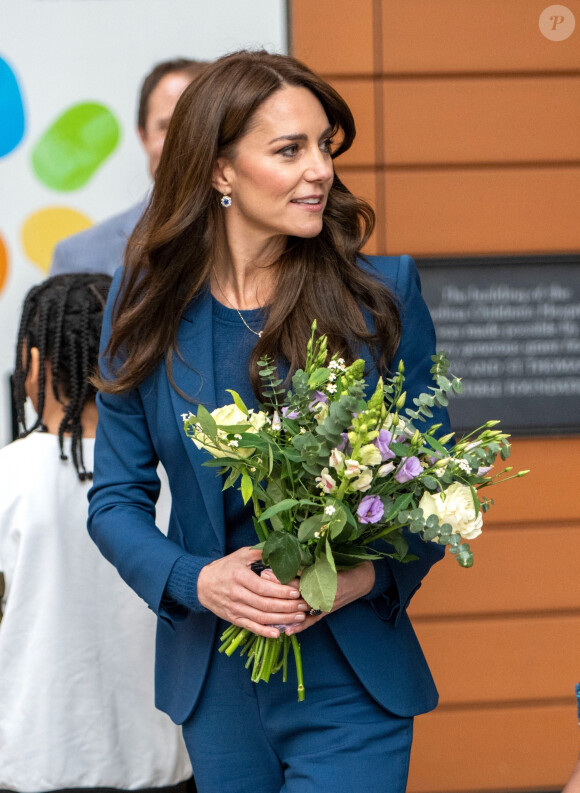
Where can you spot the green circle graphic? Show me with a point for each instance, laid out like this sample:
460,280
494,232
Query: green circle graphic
75,146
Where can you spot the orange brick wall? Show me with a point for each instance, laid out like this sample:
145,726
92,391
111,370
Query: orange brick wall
469,144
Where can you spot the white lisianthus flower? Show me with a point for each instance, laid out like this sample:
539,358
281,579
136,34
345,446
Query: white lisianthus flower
325,481
396,425
386,469
370,455
353,468
454,506
230,416
363,482
321,412
336,460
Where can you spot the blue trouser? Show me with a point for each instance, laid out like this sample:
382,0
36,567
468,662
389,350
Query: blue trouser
247,737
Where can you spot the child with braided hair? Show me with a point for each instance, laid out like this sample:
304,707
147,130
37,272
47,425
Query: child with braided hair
76,644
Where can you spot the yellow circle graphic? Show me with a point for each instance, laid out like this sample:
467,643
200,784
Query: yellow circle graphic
557,22
43,229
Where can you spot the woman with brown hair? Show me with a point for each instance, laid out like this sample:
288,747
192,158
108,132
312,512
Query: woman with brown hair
249,236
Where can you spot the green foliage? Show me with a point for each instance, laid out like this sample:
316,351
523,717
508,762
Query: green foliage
281,552
306,481
318,582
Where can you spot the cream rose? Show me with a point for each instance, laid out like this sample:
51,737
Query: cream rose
454,506
231,416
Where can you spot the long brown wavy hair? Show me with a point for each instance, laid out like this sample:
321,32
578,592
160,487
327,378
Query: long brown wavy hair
169,255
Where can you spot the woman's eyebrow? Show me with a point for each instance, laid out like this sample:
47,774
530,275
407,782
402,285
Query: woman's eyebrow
300,136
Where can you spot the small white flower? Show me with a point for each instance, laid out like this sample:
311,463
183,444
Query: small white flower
333,365
341,361
331,388
185,416
238,437
463,465
330,510
233,443
332,377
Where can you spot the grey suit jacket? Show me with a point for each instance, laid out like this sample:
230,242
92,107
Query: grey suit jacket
99,249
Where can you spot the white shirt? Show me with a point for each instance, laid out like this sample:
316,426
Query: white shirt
76,643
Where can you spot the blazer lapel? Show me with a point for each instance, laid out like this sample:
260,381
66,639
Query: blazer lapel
193,375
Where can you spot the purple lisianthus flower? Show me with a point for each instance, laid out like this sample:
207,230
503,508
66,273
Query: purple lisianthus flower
319,398
370,509
409,469
382,442
290,414
342,446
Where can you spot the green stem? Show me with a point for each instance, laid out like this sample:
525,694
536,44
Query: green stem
298,660
383,533
235,643
286,640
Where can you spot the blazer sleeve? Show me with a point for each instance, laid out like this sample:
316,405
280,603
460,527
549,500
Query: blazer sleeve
124,492
416,346
60,262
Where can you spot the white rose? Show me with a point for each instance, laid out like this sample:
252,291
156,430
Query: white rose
230,416
454,506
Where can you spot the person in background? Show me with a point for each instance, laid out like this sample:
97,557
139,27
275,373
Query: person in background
100,249
76,644
248,237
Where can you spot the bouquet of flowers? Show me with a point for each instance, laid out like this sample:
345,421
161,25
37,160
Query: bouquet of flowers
331,472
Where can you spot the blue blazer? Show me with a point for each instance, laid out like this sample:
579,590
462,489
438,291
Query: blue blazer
140,428
100,249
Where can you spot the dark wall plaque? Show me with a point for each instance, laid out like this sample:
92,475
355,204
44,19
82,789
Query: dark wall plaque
511,329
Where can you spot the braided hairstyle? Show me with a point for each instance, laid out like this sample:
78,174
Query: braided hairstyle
62,318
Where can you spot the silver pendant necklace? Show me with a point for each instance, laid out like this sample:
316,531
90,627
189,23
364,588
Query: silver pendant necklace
257,333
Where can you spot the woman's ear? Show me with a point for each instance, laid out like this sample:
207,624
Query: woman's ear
221,176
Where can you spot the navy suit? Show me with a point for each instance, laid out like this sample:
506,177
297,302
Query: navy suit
99,249
144,426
